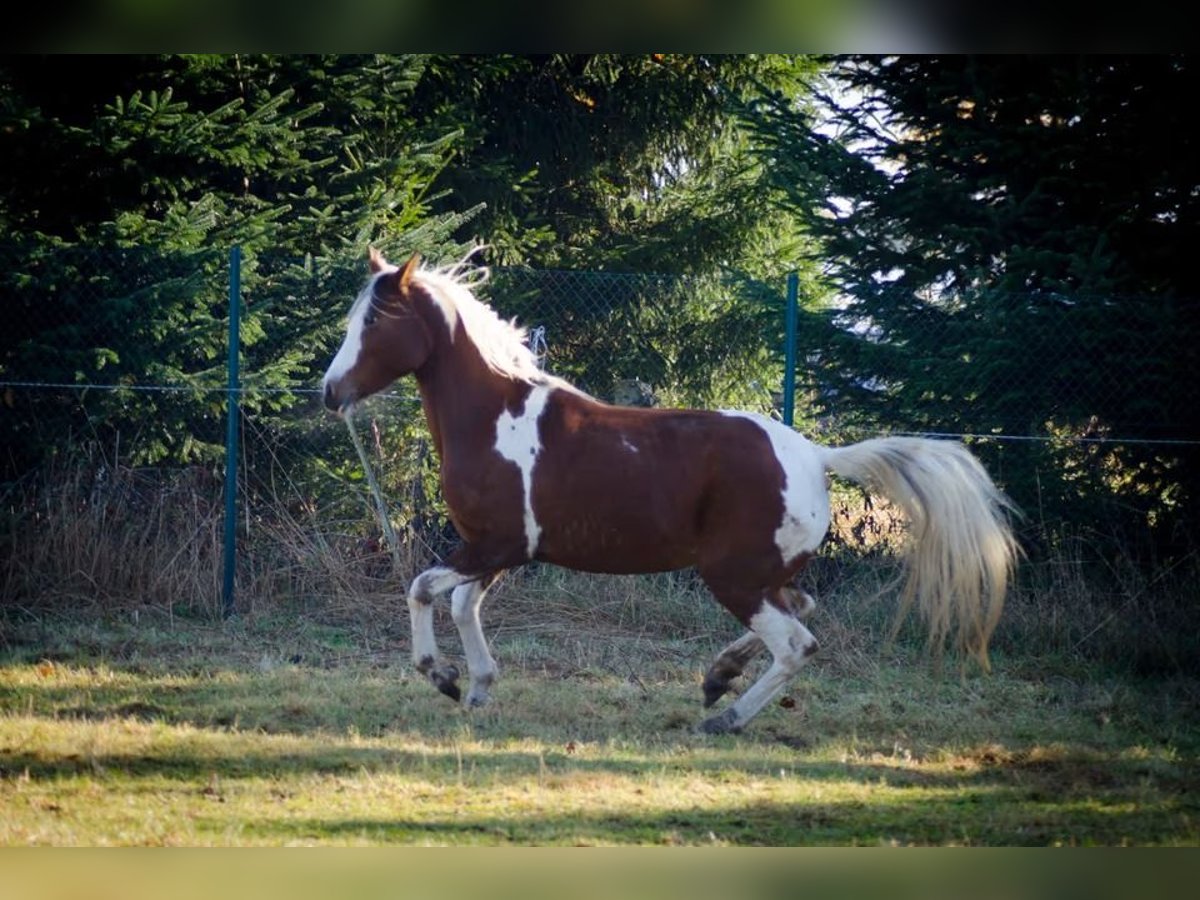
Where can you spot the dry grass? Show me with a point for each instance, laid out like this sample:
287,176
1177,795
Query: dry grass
96,537
1080,605
130,713
94,533
261,732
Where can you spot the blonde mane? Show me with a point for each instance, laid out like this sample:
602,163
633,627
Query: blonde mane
500,343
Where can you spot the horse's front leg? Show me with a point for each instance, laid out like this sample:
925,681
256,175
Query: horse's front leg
425,588
464,607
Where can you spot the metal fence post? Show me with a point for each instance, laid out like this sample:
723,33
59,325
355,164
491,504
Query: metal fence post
231,429
791,313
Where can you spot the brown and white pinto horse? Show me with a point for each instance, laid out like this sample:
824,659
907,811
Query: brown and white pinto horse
533,469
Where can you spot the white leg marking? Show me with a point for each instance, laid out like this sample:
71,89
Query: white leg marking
805,496
733,658
436,581
802,600
729,664
743,649
425,588
518,441
790,644
464,607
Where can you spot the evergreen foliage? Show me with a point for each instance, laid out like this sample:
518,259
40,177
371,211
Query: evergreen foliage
620,163
1008,240
122,230
127,179
637,170
1011,240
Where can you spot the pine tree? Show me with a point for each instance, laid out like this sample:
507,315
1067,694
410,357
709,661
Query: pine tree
117,264
626,163
1010,238
623,169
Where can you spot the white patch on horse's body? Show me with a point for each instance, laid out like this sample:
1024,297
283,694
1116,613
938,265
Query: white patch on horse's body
625,442
518,441
805,498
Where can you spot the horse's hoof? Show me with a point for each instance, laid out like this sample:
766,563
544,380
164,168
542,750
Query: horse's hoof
725,723
714,690
445,679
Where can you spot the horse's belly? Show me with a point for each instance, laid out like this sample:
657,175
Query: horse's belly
614,545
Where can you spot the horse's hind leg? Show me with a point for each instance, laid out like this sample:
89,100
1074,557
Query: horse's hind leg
464,607
800,603
729,665
790,643
732,661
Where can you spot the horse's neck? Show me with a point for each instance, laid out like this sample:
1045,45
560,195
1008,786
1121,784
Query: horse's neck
462,400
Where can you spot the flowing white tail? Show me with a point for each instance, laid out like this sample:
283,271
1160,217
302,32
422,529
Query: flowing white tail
962,549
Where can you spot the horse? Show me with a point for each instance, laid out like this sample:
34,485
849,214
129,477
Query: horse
534,469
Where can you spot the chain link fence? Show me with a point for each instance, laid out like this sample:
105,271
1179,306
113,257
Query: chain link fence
631,339
1085,408
114,403
114,391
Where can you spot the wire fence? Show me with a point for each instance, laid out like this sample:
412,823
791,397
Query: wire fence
628,339
1084,408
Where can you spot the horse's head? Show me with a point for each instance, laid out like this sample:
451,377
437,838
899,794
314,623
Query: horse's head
386,337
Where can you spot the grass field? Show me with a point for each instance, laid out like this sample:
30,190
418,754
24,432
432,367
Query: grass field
136,727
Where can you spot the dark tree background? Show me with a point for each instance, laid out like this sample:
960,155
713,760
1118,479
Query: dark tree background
125,180
1012,240
997,245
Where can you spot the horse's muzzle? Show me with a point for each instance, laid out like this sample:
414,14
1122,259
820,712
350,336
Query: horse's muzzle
333,402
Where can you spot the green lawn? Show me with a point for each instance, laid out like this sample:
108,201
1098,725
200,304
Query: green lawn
260,733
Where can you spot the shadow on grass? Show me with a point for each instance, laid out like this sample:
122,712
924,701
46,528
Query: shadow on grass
1071,800
980,815
485,768
295,722
1039,775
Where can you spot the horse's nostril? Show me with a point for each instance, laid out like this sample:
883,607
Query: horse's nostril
330,400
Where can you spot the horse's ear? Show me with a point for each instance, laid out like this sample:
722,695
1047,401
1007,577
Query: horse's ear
393,286
407,270
376,261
